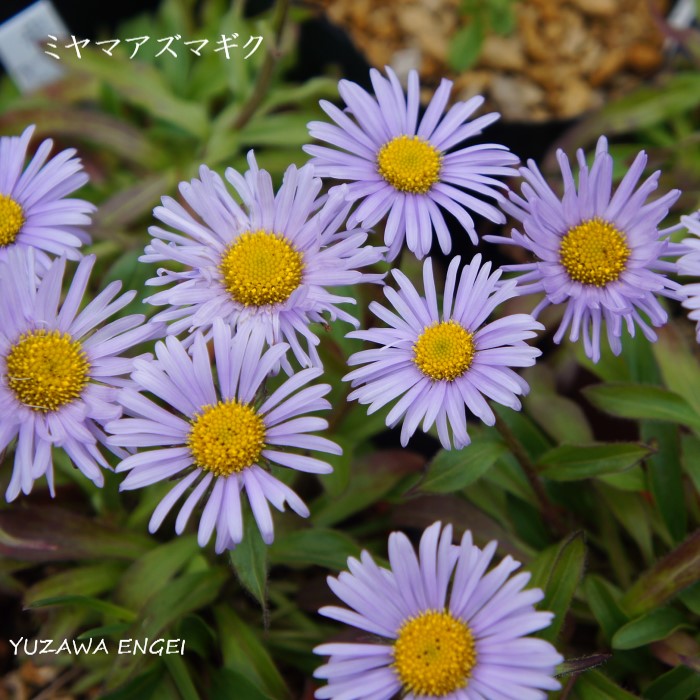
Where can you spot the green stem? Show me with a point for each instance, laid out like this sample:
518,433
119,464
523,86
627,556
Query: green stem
268,67
549,511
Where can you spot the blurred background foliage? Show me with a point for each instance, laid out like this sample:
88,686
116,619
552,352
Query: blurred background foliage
595,485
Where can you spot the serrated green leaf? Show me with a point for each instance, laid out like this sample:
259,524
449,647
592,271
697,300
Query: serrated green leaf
640,401
249,560
562,582
573,462
658,624
452,470
328,548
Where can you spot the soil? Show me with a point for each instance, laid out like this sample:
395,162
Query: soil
564,57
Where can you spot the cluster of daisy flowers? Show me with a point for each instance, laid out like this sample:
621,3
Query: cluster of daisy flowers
247,270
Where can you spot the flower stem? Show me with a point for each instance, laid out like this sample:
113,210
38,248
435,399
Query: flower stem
550,512
248,110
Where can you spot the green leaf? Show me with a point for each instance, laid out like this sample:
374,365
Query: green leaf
226,682
51,533
678,364
465,46
646,106
327,548
109,610
593,685
141,687
102,130
153,571
690,459
562,582
181,676
666,475
603,600
142,85
681,683
658,624
641,401
634,479
82,580
165,608
560,417
452,470
573,462
676,571
632,511
249,560
245,655
690,597
276,130
183,595
373,477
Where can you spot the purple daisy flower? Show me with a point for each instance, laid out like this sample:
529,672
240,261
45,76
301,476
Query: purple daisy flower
410,170
59,368
224,435
444,627
599,254
440,363
266,266
689,264
34,209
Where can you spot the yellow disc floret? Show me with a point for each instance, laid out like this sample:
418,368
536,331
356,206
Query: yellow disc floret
594,252
226,438
261,268
46,369
409,164
444,351
434,654
11,220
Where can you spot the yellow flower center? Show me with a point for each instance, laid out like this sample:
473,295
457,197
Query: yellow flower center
434,654
409,164
444,351
11,220
226,438
261,268
47,369
594,252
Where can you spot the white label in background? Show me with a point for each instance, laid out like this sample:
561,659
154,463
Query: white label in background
23,44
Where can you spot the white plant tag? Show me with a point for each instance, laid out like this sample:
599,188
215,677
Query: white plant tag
23,41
